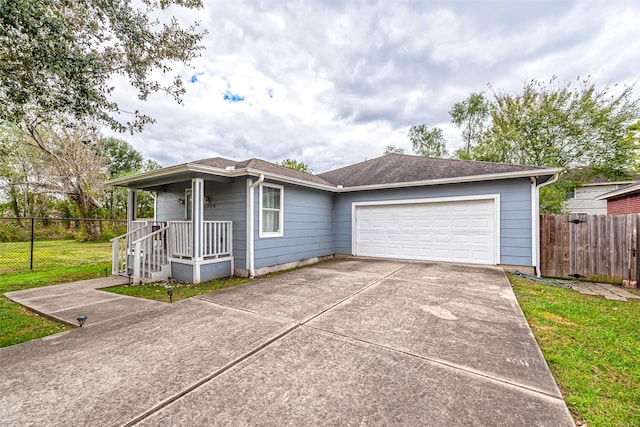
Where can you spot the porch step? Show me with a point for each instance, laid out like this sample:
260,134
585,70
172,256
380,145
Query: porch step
163,274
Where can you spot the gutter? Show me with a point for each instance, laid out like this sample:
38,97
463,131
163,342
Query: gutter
535,219
250,224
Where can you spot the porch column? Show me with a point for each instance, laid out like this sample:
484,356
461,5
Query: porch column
197,215
132,203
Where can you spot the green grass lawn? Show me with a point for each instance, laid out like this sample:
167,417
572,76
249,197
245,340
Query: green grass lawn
592,346
57,262
14,256
158,290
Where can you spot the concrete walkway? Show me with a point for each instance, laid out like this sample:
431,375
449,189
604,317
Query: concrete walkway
349,342
68,301
608,291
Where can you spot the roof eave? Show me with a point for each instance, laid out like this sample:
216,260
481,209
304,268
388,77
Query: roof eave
231,173
209,170
456,180
622,192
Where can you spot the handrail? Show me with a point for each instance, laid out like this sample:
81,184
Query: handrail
122,236
147,256
119,252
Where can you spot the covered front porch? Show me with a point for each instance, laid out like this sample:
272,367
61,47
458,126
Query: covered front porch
190,250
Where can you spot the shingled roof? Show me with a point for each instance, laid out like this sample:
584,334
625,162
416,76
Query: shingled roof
392,170
264,166
400,168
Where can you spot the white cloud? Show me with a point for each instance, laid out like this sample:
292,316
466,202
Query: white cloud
336,82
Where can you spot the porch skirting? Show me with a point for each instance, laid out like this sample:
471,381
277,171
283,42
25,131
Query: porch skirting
187,270
243,272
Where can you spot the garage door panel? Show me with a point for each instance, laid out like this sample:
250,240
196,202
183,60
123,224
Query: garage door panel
459,231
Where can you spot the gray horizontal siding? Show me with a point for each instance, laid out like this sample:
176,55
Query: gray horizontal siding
308,228
227,202
515,212
167,201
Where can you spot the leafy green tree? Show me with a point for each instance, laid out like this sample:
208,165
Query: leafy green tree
21,168
577,127
294,164
471,116
122,159
564,126
60,57
427,142
392,149
69,161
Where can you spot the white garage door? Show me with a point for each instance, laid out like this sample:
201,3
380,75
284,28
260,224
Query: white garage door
451,231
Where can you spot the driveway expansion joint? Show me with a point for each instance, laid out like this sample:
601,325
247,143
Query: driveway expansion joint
118,297
359,291
450,365
208,378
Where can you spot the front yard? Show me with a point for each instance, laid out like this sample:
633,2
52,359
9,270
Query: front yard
592,345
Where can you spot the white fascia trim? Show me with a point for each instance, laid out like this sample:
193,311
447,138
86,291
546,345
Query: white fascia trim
287,179
148,175
494,197
463,179
191,167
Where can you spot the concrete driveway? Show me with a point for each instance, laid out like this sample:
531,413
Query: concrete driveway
349,342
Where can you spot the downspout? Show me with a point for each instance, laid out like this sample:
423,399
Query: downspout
250,223
535,189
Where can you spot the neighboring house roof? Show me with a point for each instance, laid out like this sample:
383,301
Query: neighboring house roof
628,190
604,183
389,171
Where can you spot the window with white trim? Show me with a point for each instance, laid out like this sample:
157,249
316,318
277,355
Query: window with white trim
271,210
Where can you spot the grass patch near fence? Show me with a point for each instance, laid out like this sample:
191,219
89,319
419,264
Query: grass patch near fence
158,290
57,262
14,256
591,346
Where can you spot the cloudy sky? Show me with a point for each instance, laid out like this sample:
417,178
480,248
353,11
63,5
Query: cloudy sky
334,82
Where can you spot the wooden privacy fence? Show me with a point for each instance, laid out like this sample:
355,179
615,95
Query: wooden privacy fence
601,248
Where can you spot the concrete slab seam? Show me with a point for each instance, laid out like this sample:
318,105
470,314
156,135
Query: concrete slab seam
244,310
454,366
92,303
208,378
358,292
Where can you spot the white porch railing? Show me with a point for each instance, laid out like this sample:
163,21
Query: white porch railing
149,254
120,248
218,239
138,223
180,239
144,250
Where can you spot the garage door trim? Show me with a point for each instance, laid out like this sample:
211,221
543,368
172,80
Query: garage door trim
494,197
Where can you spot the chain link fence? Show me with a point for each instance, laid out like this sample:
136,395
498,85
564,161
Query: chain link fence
44,243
